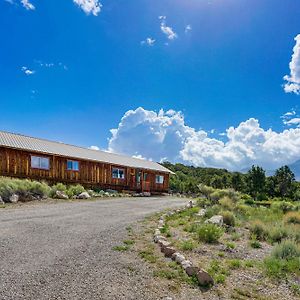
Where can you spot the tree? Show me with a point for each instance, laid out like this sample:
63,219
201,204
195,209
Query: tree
237,182
256,180
284,179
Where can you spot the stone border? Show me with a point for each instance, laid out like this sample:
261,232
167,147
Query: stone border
166,248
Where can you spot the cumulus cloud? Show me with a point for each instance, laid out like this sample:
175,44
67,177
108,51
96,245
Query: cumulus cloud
27,5
148,41
165,136
293,80
89,6
168,31
27,71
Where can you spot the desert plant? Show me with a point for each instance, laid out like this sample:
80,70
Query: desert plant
228,218
75,190
283,206
258,229
187,245
209,233
292,218
287,249
226,203
277,233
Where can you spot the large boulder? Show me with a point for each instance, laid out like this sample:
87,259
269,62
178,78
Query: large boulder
14,198
217,220
61,195
204,278
84,195
168,251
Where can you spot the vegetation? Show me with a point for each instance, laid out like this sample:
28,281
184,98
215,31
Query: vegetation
209,233
281,186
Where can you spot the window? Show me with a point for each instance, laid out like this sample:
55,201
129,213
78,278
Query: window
40,162
118,173
72,165
159,179
145,176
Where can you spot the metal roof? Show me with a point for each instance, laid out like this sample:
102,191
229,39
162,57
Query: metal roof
22,142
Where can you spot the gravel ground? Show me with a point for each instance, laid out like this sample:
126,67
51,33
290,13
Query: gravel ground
64,250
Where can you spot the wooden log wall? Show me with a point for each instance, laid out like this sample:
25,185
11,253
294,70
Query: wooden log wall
17,163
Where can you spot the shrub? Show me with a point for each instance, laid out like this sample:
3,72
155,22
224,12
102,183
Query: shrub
287,249
258,229
212,211
23,187
187,245
292,218
75,190
226,203
230,245
255,244
234,263
228,218
283,206
209,233
277,233
203,202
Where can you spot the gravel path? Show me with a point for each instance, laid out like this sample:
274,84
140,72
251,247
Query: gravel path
64,250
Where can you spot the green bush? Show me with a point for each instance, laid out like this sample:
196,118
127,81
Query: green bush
209,233
226,203
228,218
75,190
292,218
287,249
255,244
258,229
276,233
283,206
284,259
187,245
203,202
212,211
58,187
23,187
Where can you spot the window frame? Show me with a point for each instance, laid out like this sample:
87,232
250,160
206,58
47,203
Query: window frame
118,173
72,169
160,177
40,164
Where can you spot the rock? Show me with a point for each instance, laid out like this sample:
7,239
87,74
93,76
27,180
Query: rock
204,278
84,195
185,264
1,200
168,251
178,257
161,222
146,194
158,238
163,243
191,271
157,232
14,198
201,212
190,204
61,195
217,220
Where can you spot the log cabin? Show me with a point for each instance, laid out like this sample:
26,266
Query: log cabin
40,159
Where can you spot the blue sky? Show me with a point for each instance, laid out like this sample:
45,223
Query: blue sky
70,75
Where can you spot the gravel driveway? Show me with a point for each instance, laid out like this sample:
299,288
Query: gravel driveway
64,250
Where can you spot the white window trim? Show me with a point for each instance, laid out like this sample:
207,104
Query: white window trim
119,175
161,179
40,158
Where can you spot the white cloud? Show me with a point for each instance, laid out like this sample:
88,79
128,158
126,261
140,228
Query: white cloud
89,6
149,41
28,5
293,121
94,148
27,71
293,80
188,28
168,31
165,136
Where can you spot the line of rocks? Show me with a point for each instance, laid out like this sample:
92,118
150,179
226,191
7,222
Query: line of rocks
169,251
